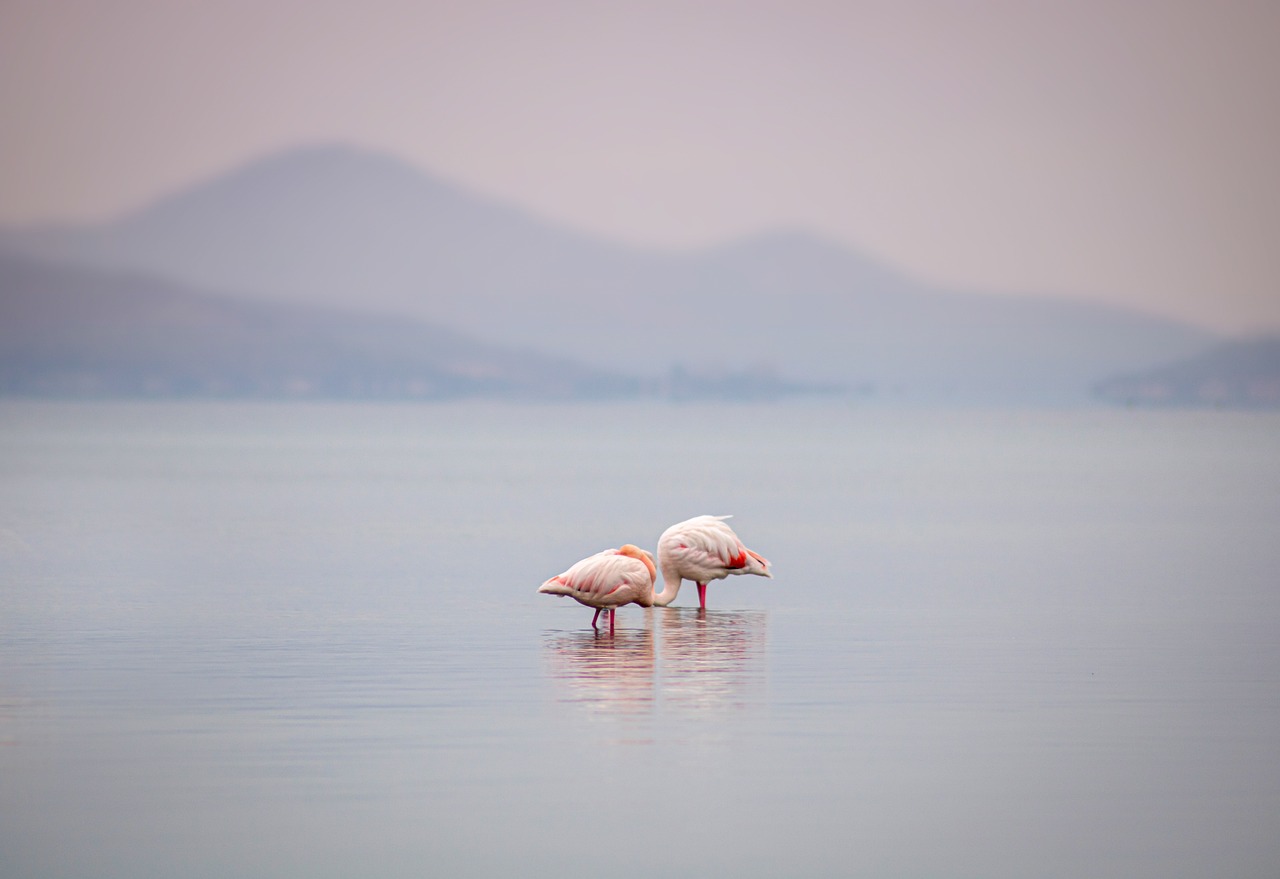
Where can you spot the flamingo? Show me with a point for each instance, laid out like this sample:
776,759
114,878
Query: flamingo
702,549
608,580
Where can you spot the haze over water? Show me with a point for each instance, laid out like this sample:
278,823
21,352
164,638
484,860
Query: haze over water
268,641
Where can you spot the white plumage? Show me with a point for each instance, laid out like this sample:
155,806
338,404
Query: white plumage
703,549
608,580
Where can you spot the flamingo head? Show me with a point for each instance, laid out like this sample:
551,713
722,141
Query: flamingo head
636,552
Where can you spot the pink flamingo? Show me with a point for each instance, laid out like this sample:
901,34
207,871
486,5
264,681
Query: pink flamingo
608,580
702,549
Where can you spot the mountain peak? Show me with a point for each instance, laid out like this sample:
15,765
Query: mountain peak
319,176
327,223
807,258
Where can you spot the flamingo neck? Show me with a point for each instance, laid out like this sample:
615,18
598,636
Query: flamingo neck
670,589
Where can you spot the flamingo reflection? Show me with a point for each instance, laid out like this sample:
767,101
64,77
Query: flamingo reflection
712,661
686,661
611,675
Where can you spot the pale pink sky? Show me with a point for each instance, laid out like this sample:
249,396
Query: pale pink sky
1128,152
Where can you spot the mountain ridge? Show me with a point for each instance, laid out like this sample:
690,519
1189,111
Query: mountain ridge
73,331
340,227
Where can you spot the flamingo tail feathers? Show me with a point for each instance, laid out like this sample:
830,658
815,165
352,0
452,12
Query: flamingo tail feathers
555,586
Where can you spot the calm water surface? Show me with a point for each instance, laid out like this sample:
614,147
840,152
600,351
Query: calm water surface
277,641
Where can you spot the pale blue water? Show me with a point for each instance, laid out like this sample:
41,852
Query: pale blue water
257,641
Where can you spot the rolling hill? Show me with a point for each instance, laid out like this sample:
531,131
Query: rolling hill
91,333
1241,374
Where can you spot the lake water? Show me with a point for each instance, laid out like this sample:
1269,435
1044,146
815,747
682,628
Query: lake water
304,641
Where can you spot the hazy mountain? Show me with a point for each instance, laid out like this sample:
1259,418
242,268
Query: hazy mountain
1240,374
344,228
83,332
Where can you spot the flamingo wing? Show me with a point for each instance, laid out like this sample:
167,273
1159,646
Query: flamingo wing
705,548
606,579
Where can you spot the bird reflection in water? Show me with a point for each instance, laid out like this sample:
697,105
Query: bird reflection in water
610,674
682,660
711,660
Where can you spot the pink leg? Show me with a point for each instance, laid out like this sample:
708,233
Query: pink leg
612,611
702,595
596,617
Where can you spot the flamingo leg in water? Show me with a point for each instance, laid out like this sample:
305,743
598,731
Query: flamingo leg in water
612,611
702,595
596,617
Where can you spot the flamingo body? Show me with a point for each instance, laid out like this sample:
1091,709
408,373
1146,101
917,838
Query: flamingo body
607,581
703,549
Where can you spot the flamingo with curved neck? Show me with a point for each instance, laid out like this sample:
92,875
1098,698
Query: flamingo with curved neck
608,580
703,549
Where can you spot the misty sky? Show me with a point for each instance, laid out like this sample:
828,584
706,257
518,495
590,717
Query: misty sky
1125,152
